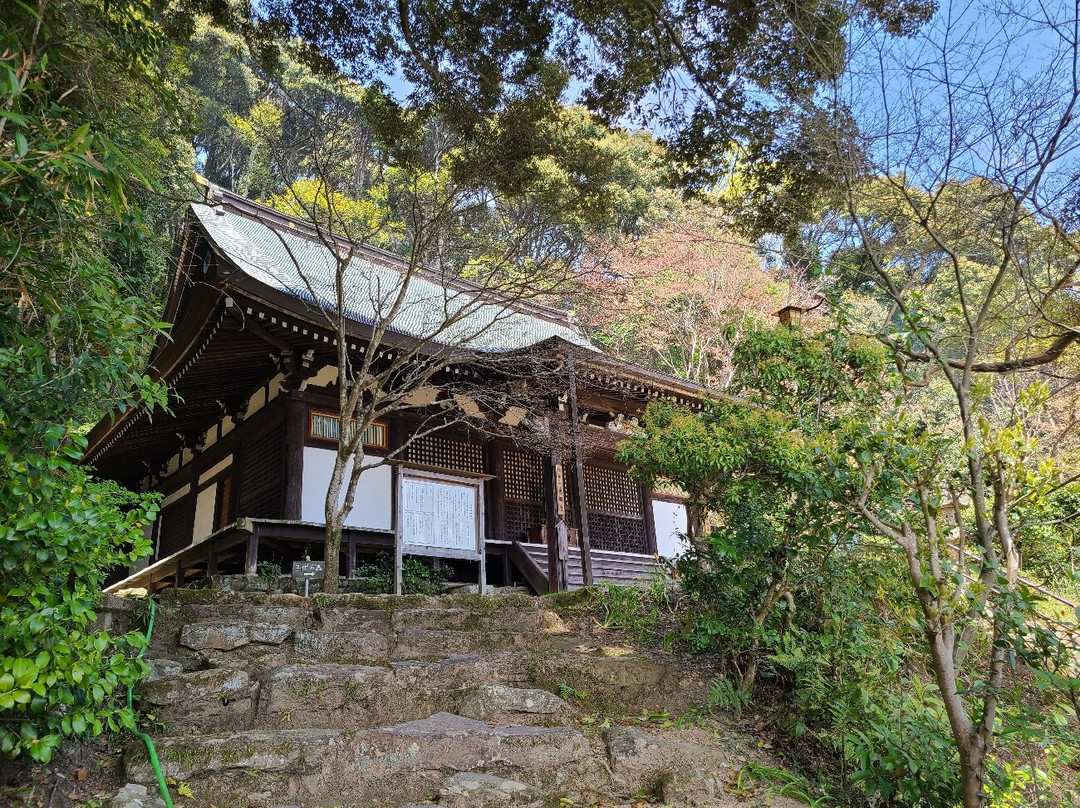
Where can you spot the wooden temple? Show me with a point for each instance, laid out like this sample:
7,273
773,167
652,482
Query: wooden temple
243,458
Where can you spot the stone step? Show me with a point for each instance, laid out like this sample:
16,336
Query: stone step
480,617
362,637
270,692
391,766
461,763
214,700
357,697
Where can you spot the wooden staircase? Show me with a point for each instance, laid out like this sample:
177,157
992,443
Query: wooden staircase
627,569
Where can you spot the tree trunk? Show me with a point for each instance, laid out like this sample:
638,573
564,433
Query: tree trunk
695,524
335,519
749,677
332,559
941,638
775,592
972,772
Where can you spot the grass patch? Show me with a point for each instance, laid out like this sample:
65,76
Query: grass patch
647,615
755,777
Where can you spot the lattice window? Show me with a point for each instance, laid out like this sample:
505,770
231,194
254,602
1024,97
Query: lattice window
617,534
445,453
327,426
523,476
175,530
611,491
521,517
261,469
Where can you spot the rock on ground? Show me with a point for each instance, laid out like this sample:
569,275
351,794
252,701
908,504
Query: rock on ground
476,790
136,796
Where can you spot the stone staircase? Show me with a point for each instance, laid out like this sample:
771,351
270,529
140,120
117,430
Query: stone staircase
503,700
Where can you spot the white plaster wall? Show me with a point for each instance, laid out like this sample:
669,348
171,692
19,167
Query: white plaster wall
182,491
670,519
372,506
204,511
216,469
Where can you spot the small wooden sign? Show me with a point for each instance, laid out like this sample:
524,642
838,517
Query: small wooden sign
308,570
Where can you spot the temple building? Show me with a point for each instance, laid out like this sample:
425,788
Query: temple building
243,458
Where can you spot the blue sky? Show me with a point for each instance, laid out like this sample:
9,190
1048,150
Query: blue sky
981,85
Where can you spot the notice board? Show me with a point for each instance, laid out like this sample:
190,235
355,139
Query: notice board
440,515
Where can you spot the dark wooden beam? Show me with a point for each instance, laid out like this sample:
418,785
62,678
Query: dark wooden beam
295,432
650,519
250,324
394,438
496,493
529,569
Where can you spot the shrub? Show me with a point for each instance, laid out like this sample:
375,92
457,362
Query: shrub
61,532
418,576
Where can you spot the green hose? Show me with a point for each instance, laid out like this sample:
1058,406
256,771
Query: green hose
146,739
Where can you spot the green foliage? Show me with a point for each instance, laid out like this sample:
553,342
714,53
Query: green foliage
783,581
1049,539
61,532
904,752
723,83
321,147
646,614
269,571
570,694
724,694
760,464
80,85
782,783
418,576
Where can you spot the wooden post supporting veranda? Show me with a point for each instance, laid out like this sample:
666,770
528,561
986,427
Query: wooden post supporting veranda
252,565
579,477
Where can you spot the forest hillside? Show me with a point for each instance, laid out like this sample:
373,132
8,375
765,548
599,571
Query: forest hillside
882,559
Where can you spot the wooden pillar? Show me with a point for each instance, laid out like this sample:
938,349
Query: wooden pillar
557,577
155,539
350,559
179,573
295,433
211,561
252,565
496,498
579,477
650,519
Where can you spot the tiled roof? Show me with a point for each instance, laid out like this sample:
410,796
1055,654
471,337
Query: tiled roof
291,262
